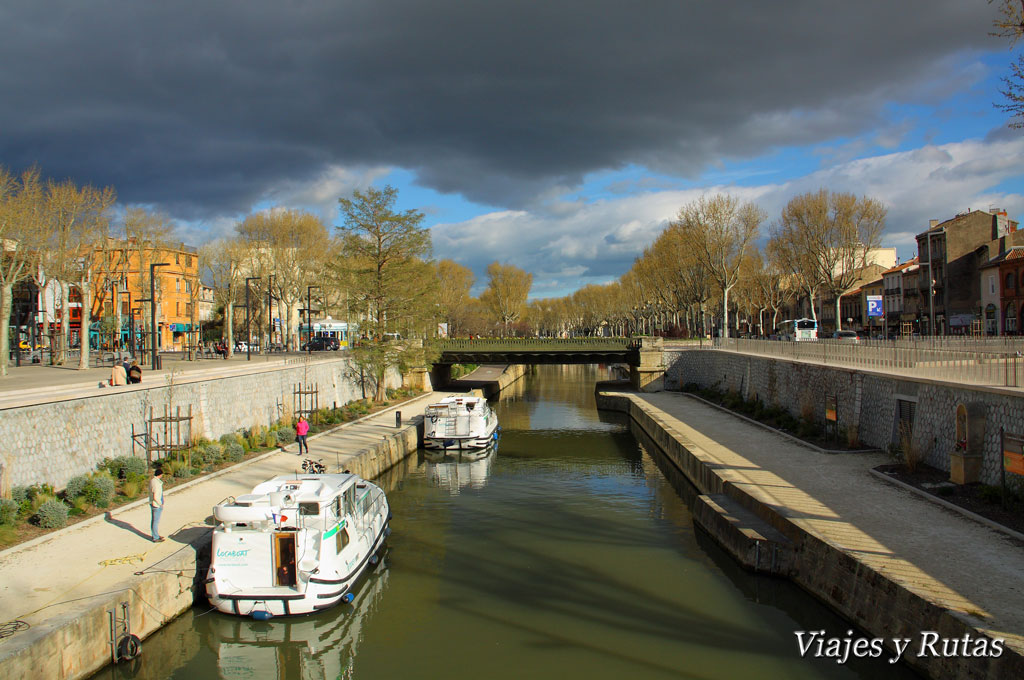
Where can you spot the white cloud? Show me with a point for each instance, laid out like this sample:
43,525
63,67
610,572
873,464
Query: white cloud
596,241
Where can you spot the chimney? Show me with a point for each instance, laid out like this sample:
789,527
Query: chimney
933,223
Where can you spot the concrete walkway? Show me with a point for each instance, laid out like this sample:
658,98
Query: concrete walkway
935,553
34,384
50,577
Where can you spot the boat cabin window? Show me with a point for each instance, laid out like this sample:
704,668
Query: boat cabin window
350,500
309,509
336,507
342,539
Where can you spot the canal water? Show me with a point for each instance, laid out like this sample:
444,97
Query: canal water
570,552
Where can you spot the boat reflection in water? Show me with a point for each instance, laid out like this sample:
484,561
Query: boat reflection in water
457,470
316,647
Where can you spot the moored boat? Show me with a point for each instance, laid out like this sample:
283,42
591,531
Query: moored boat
296,544
460,423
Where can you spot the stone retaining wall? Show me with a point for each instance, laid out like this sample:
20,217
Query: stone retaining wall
875,602
52,442
72,645
866,401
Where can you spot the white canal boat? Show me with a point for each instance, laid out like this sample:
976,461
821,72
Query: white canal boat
295,545
460,423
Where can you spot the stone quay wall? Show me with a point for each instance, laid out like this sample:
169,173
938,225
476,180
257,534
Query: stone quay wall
870,403
871,599
55,441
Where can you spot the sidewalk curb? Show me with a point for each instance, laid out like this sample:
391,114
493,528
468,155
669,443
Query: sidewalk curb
39,540
949,506
792,438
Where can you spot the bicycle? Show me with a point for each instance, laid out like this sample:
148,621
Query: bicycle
315,467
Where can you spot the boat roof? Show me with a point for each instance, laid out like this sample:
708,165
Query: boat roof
304,488
448,401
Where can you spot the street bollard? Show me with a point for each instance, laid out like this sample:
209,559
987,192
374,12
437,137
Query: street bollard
398,418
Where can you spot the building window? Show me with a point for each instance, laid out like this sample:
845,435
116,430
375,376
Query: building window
177,285
1010,279
188,286
992,284
177,258
177,308
188,309
1010,324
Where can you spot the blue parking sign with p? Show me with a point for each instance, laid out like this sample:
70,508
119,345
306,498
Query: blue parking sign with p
875,305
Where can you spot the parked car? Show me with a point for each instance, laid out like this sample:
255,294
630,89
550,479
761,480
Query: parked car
242,346
319,344
846,336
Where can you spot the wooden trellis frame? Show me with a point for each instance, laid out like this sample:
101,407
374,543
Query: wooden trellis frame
170,434
306,400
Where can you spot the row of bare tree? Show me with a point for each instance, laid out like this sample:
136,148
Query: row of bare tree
706,263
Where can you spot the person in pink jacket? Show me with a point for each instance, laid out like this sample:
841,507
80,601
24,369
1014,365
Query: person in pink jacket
301,430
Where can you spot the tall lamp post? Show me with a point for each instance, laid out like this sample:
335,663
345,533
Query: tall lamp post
152,307
248,332
131,341
270,312
131,328
309,318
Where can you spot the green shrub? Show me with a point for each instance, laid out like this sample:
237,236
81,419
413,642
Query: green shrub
234,452
76,487
209,453
230,438
120,467
19,494
8,511
52,514
990,494
285,436
135,478
100,490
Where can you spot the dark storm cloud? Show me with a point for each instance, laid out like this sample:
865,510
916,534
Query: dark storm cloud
204,107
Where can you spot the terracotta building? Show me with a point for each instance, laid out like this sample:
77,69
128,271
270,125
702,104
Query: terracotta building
951,254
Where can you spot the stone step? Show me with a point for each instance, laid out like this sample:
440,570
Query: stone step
754,543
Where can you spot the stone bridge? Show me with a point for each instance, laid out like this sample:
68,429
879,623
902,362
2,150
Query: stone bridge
643,355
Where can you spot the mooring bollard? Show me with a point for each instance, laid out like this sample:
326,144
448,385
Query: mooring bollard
398,418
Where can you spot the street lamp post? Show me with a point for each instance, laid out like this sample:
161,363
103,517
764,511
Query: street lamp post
270,312
248,332
152,307
309,318
131,340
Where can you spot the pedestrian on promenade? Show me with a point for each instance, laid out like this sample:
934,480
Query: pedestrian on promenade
156,502
126,363
301,430
134,373
118,376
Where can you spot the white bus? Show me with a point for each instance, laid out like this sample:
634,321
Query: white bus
800,330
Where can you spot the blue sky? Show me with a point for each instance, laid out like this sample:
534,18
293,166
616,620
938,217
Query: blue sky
559,137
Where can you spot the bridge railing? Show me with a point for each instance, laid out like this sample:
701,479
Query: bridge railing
538,344
968,364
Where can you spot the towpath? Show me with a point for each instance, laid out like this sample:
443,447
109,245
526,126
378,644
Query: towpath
935,553
47,579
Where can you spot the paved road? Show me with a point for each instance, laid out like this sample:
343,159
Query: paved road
937,553
30,384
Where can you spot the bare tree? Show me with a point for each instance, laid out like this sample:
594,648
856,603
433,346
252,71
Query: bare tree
286,244
222,265
719,229
1010,24
507,289
81,222
146,234
22,233
454,283
836,233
